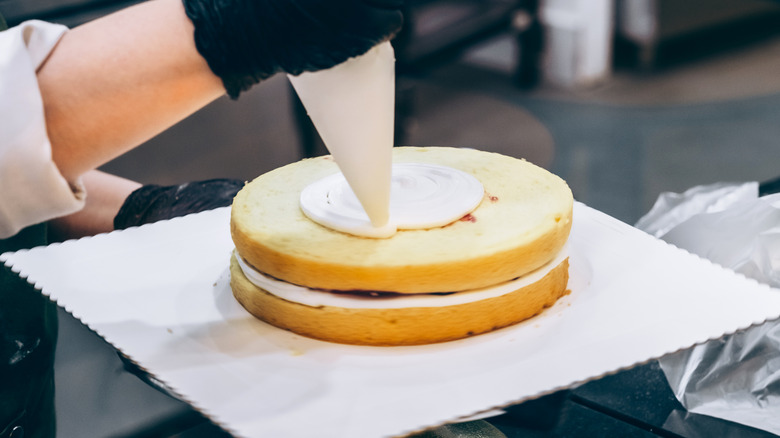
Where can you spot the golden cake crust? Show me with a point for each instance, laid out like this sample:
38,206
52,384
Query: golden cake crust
405,326
521,223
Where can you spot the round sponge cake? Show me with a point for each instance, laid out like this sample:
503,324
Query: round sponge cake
522,222
392,326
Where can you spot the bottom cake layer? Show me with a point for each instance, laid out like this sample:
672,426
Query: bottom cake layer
388,326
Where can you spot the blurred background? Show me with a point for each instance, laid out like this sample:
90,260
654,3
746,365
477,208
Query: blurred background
624,99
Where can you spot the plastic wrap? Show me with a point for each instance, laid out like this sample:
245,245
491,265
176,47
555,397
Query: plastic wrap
737,377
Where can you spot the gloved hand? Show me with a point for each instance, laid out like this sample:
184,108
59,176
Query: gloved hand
246,41
152,203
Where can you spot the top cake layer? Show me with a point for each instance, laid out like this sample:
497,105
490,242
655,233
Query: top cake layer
521,224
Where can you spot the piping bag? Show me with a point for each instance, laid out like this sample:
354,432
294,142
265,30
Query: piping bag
352,106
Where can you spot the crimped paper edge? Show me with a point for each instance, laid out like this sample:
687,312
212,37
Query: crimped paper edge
215,418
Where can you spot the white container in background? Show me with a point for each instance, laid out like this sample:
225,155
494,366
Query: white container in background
578,41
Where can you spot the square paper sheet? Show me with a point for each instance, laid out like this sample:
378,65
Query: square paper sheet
160,294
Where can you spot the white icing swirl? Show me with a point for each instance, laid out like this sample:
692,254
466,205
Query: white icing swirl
352,105
319,298
421,196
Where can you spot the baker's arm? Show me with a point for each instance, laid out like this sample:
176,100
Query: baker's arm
113,83
107,194
116,203
117,81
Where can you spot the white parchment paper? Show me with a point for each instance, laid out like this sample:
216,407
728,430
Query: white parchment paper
160,294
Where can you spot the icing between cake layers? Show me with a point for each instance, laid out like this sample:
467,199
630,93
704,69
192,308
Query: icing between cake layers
320,298
422,195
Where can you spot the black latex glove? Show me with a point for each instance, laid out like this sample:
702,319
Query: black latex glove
246,41
152,203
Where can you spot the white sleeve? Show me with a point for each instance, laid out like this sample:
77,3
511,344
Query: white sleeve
32,189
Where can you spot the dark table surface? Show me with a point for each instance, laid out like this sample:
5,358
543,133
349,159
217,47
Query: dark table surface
637,402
